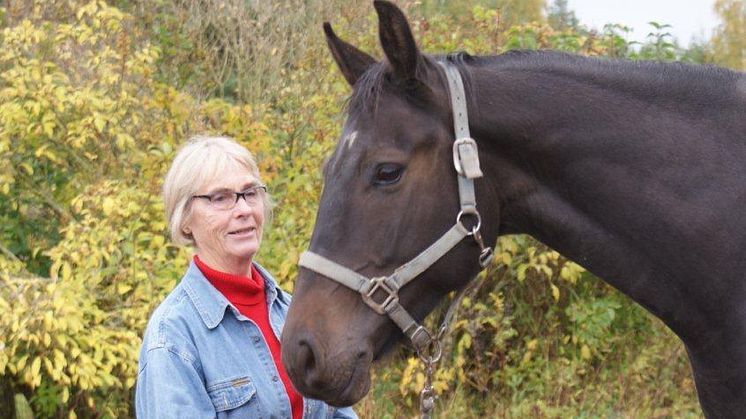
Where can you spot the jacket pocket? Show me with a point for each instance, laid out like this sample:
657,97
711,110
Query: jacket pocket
230,394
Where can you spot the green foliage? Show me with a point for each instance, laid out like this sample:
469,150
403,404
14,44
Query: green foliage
94,101
23,410
660,45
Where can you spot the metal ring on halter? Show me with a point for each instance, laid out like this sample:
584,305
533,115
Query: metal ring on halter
470,212
437,352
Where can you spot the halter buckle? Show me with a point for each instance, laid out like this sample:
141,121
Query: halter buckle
466,158
379,284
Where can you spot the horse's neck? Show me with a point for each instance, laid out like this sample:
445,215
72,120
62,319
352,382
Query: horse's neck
605,176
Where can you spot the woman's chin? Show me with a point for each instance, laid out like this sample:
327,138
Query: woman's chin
243,251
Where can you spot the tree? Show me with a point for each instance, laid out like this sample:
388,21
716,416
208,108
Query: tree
560,16
729,40
516,12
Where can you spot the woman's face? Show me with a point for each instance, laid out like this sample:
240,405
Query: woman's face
227,239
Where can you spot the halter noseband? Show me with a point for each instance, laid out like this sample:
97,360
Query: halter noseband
466,163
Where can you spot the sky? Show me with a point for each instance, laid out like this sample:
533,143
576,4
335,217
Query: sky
688,18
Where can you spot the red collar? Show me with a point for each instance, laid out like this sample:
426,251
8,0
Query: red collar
239,290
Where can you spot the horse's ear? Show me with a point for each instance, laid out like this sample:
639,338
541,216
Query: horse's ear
351,61
397,40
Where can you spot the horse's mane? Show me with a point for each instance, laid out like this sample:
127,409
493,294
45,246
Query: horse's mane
677,80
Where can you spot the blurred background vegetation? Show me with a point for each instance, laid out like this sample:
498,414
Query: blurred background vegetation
95,97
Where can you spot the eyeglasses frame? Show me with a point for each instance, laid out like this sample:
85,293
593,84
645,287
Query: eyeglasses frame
242,194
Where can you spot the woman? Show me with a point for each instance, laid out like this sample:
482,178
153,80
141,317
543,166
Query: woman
212,349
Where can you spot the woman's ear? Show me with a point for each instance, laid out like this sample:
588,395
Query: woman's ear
185,227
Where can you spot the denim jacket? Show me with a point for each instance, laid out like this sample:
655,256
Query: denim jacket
201,358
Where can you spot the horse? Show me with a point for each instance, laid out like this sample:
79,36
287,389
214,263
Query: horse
634,170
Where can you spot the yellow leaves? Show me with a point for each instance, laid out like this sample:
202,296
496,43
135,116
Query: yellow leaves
571,272
532,344
35,369
48,128
66,272
585,352
410,377
99,122
108,206
33,107
123,288
48,320
465,341
44,151
157,241
21,363
3,360
27,168
124,141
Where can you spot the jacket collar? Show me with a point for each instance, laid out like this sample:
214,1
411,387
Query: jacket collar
210,303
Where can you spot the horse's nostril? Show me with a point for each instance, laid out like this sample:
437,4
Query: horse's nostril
306,356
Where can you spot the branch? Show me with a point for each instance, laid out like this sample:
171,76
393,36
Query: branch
63,213
8,253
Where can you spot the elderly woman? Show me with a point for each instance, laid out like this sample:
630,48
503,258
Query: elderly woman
212,348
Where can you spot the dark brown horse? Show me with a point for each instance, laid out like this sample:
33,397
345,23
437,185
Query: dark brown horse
635,170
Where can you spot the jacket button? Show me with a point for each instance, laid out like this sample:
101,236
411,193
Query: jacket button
275,378
255,339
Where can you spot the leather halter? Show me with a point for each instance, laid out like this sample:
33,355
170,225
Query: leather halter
466,163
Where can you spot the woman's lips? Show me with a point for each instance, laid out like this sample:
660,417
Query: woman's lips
244,232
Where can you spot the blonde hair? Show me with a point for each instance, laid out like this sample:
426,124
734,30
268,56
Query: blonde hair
200,161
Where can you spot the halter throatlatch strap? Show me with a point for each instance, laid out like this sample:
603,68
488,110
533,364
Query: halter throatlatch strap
382,293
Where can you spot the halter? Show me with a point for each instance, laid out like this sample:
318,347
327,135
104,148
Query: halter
382,293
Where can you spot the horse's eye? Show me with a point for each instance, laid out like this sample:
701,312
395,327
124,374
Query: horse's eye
387,174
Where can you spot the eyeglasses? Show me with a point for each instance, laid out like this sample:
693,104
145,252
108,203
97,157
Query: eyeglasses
226,199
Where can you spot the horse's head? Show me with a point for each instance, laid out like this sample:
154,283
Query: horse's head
390,191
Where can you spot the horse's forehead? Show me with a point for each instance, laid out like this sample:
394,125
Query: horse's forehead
348,139
349,152
389,123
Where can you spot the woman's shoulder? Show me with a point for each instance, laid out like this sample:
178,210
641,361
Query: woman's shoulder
171,320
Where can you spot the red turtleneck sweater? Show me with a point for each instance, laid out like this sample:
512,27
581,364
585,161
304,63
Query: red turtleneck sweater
247,294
